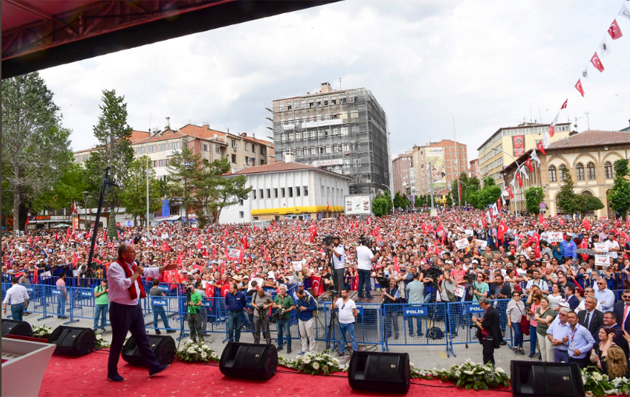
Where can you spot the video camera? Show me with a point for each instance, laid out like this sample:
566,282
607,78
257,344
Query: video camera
277,315
328,239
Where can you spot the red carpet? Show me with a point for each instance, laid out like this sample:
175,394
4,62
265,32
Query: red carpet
86,376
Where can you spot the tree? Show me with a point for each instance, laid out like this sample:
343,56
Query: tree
230,190
406,203
566,197
587,204
418,202
113,150
619,195
449,200
382,204
533,197
185,174
134,192
35,147
401,201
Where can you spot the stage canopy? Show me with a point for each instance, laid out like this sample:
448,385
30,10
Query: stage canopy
38,34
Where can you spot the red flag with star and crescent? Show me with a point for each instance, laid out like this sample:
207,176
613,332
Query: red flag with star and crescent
529,165
564,105
509,190
614,31
578,86
540,147
542,220
586,224
316,285
597,63
502,230
519,179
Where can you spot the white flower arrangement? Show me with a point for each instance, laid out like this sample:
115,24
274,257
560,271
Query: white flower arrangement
101,343
314,363
467,375
193,353
42,332
597,384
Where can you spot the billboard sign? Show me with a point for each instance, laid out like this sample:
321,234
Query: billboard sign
357,205
435,156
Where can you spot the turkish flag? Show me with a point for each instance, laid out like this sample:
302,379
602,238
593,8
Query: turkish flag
483,221
199,243
586,224
560,221
529,165
564,105
519,179
584,245
165,247
225,289
502,230
209,290
542,220
614,31
244,241
552,130
597,63
578,86
540,147
316,285
369,220
499,203
509,190
396,267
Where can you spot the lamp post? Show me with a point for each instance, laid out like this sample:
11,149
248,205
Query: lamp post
146,153
86,194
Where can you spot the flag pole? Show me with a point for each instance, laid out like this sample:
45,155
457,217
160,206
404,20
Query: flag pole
459,196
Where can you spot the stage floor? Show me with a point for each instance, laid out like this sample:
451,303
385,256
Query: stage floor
87,376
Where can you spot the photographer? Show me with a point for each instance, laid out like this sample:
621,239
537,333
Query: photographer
102,304
194,317
158,310
489,333
339,263
284,304
391,295
305,305
235,301
261,302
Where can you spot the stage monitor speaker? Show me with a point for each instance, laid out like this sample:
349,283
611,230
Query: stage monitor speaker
162,345
13,327
531,378
73,341
380,372
250,361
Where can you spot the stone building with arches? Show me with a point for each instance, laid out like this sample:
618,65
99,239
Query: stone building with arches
588,156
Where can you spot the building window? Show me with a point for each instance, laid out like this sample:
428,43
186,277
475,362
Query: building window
205,147
233,159
297,191
254,193
246,147
175,145
161,163
357,162
262,150
553,176
305,191
590,169
282,192
234,144
290,192
275,192
563,171
217,149
580,172
240,202
328,150
608,170
163,147
268,193
260,192
241,214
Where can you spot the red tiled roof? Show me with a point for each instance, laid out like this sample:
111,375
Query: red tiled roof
591,138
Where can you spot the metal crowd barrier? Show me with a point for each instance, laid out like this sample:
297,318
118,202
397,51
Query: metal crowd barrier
416,325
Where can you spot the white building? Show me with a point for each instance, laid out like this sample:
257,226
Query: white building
288,190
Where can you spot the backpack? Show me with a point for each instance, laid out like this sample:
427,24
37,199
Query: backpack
435,333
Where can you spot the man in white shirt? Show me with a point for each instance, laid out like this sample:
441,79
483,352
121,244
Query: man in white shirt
613,247
125,291
339,263
365,258
17,297
347,313
605,296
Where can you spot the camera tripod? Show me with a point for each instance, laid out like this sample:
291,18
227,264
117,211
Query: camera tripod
332,323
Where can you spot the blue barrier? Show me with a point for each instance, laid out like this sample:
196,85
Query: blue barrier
426,316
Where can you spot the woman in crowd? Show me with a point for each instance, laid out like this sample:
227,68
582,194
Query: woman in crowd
555,298
533,303
514,312
544,316
609,357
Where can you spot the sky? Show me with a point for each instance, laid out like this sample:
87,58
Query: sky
435,66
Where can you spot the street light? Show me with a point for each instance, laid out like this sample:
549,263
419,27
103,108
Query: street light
86,194
146,153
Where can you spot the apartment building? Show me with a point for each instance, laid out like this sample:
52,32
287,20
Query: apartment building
402,165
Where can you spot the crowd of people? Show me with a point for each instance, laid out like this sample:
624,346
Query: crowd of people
546,267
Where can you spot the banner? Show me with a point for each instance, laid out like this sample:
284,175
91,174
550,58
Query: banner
518,142
482,244
234,253
357,205
600,247
435,156
554,237
602,260
461,244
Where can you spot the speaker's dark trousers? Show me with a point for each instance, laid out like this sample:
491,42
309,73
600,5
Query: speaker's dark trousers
262,322
488,350
127,318
364,282
338,278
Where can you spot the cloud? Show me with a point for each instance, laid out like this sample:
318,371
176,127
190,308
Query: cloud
488,64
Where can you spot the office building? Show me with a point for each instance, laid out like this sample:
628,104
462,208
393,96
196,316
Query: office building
401,167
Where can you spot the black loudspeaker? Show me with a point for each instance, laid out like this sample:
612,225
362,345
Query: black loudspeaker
162,345
380,372
73,341
250,361
13,327
531,378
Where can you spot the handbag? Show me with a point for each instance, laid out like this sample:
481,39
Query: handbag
524,322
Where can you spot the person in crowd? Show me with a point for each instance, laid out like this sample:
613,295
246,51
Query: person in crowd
489,330
558,337
17,297
365,261
347,316
610,321
533,303
261,302
514,312
126,315
609,357
588,291
62,296
101,304
284,304
569,297
236,302
538,282
158,309
390,295
415,296
305,306
590,317
339,262
622,309
500,288
544,316
194,314
604,296
480,287
555,298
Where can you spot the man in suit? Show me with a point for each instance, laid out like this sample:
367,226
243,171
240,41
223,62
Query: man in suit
610,320
569,293
490,330
622,309
590,317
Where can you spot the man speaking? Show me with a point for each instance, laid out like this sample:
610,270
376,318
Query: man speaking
125,314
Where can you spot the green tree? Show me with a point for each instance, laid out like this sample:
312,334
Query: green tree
619,195
35,147
418,202
185,174
533,197
382,204
134,192
449,200
230,190
114,151
587,204
566,197
406,203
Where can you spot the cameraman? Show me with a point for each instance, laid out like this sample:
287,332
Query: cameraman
365,258
194,317
339,263
261,302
